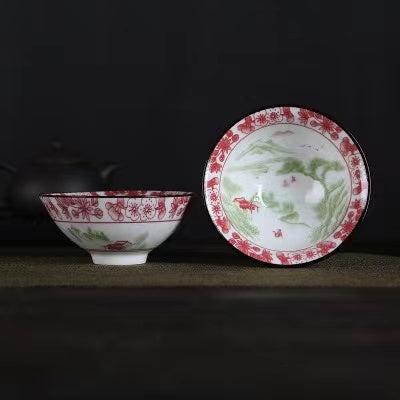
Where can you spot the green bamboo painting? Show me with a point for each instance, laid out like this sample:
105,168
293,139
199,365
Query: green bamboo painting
263,146
100,238
330,210
238,217
286,209
90,234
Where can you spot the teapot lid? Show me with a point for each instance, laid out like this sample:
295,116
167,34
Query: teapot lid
59,155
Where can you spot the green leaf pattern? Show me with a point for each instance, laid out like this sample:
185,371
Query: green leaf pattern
329,211
238,217
99,238
286,208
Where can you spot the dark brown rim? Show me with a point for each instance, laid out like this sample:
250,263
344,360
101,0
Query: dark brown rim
71,194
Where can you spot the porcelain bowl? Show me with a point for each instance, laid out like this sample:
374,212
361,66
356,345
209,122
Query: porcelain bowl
286,185
117,227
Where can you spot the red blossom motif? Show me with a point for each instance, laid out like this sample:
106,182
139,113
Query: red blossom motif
325,247
356,204
304,115
247,126
347,147
212,183
161,209
261,118
326,126
118,209
115,209
178,206
213,196
348,225
243,245
223,224
215,167
355,161
64,203
297,256
274,115
223,147
81,207
265,256
216,209
51,208
132,209
283,258
147,209
309,254
287,114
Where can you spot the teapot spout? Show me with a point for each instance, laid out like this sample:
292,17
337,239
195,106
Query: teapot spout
108,170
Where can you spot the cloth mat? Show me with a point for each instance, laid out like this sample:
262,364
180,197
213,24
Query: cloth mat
339,270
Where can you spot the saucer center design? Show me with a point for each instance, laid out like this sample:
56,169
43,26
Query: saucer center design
285,187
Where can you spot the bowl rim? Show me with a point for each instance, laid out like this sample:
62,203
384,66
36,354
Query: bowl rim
178,193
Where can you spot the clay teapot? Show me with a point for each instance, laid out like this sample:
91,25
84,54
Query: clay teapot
58,171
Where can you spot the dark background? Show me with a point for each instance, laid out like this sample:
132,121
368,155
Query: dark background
153,85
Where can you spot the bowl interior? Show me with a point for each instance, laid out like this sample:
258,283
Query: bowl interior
286,180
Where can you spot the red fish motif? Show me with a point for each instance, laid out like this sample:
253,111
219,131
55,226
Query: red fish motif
278,233
245,204
119,245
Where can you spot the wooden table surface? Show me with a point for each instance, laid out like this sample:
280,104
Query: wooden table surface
200,342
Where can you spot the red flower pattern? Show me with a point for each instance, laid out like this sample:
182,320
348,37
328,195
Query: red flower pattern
79,208
161,208
247,126
115,209
51,208
178,206
325,247
326,126
223,147
85,208
223,224
261,118
305,115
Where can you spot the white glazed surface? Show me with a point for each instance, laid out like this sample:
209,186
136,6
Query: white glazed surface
150,235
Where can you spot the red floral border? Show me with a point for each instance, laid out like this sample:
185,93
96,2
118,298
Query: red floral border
319,123
117,209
